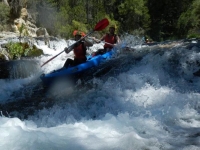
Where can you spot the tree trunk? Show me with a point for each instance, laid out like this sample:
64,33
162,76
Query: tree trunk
5,2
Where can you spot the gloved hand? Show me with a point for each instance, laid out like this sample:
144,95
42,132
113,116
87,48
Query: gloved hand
82,39
66,50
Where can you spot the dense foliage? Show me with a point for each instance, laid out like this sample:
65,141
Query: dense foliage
160,20
189,21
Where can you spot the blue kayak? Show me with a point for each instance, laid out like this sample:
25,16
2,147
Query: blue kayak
91,62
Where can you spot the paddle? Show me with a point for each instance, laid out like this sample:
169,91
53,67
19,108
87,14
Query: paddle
99,26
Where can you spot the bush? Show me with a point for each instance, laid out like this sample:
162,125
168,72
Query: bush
18,50
15,50
33,52
193,35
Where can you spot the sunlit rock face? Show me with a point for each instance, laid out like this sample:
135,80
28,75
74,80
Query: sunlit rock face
29,29
23,22
22,28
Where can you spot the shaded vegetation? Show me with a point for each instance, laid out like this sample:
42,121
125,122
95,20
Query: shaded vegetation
160,20
4,15
189,21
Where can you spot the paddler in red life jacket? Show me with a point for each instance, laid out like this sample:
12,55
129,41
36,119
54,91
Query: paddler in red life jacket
110,39
79,50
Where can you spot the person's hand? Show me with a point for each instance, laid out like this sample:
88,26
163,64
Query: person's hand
94,39
66,50
82,38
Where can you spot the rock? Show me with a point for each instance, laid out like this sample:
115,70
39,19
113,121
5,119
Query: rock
17,69
197,73
4,70
6,35
18,24
29,28
42,32
4,56
24,14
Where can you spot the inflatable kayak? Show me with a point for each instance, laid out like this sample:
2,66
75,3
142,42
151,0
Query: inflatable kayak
91,62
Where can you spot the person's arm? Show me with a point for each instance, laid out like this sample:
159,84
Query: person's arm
117,39
87,42
97,40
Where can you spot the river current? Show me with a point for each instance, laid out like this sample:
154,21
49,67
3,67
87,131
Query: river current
148,99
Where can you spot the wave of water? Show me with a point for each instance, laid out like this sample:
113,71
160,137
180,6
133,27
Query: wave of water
149,102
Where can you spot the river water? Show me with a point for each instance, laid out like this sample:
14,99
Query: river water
148,100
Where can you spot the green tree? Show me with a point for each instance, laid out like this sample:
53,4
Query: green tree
164,17
133,14
189,21
70,18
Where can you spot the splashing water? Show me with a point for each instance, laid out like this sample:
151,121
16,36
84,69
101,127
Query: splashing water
148,100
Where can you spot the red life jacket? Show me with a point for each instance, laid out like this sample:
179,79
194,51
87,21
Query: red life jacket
110,39
80,51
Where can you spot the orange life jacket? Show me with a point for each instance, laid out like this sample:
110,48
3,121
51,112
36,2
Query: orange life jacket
80,51
110,39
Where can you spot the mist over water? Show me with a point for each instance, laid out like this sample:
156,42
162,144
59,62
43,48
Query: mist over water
149,100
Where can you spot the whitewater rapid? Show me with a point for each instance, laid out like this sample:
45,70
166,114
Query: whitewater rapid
151,102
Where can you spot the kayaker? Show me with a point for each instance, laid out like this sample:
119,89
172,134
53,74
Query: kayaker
79,50
110,39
